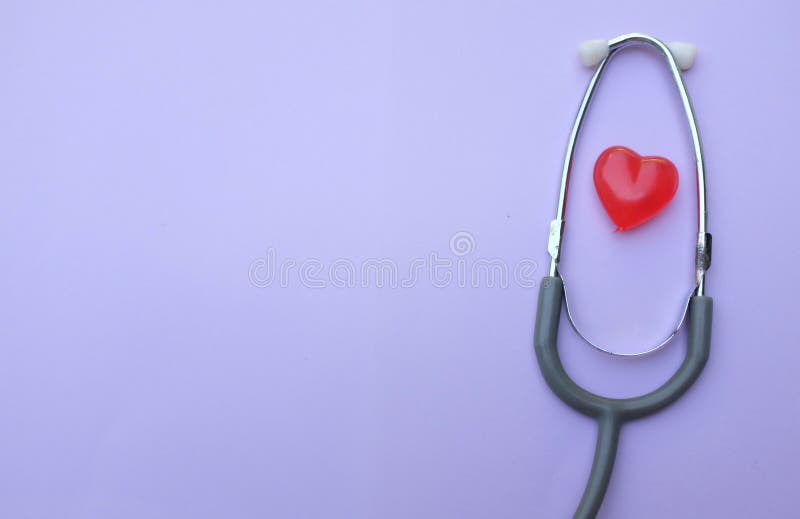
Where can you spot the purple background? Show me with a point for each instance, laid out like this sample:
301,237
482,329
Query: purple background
152,151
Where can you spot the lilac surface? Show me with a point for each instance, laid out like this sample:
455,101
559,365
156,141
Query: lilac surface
151,152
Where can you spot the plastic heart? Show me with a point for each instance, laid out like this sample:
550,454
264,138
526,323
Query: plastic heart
633,188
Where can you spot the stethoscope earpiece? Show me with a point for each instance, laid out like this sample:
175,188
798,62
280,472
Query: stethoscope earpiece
684,53
592,52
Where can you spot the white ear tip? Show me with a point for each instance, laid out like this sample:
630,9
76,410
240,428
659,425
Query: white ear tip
593,52
684,54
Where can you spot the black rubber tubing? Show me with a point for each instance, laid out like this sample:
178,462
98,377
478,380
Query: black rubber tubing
611,413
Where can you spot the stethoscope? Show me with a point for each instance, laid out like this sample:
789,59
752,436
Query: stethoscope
611,413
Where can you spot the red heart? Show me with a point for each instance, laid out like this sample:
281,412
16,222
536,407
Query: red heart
633,188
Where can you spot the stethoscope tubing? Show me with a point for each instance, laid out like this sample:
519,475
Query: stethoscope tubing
611,413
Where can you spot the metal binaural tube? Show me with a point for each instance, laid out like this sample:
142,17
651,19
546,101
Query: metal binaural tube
557,227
